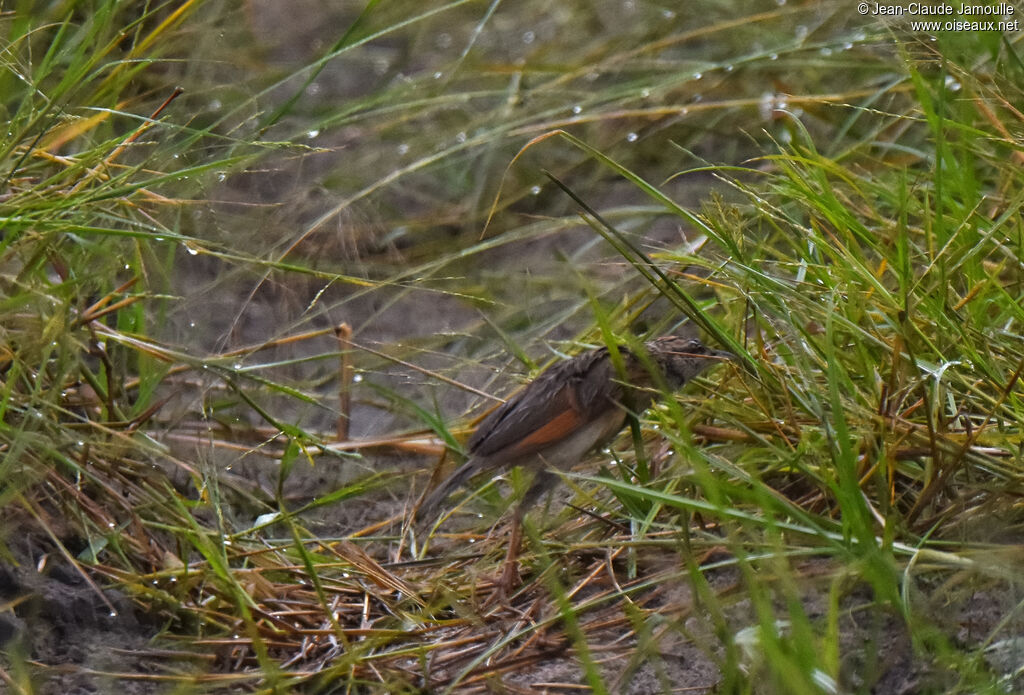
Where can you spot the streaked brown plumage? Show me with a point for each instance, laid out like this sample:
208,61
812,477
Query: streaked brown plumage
571,408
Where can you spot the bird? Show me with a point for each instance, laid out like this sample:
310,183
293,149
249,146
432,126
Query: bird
573,407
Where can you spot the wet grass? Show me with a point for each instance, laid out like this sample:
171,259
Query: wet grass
475,192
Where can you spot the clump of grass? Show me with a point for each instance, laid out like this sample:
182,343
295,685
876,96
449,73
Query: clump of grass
862,256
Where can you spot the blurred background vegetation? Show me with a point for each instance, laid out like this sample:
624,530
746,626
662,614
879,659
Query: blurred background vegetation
196,195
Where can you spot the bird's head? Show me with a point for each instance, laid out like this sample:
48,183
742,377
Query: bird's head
682,359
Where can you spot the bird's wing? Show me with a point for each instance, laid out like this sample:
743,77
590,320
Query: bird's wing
557,403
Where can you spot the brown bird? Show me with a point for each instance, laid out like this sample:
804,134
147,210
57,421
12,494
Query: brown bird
573,407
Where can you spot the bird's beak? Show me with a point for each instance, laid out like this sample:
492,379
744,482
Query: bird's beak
747,365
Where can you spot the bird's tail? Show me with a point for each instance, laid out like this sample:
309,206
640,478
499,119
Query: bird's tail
428,509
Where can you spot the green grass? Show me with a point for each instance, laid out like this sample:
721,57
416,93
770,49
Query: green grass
478,191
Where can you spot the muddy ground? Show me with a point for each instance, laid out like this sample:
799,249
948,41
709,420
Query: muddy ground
60,620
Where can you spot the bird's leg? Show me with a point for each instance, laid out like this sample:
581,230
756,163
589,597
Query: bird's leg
542,482
510,578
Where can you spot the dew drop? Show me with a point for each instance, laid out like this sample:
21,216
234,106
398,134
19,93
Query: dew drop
461,137
668,14
528,37
403,149
632,137
577,109
312,134
535,190
192,251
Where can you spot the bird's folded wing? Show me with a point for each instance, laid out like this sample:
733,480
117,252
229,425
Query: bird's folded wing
557,403
545,412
